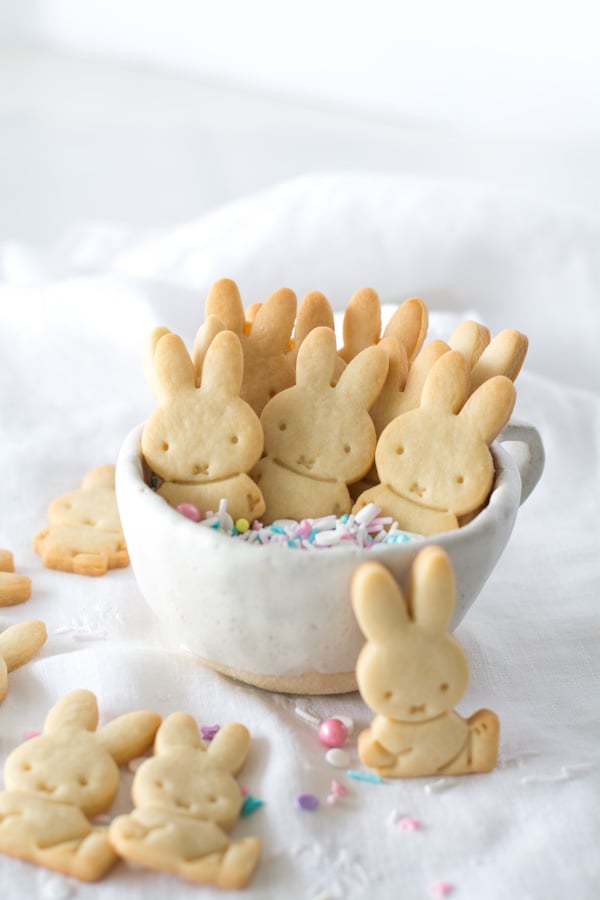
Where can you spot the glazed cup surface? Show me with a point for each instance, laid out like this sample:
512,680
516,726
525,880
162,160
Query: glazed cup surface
280,617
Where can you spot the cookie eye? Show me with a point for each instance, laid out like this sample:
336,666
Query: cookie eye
444,687
399,450
282,426
459,479
164,446
26,767
158,783
234,439
82,780
387,695
347,448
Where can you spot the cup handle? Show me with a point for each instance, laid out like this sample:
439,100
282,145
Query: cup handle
527,452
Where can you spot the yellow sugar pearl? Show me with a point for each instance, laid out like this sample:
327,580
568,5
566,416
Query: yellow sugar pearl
242,525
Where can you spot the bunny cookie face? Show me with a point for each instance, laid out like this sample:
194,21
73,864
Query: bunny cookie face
202,440
412,672
319,436
64,768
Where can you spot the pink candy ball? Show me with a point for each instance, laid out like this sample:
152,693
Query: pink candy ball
332,732
189,511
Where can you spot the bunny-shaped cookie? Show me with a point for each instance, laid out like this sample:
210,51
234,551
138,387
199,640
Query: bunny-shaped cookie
84,532
203,440
265,339
434,462
186,800
55,781
319,436
412,672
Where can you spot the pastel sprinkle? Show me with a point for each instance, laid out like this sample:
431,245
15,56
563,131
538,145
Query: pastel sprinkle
307,802
347,721
338,758
250,805
441,784
307,715
30,733
332,733
336,787
408,824
189,511
364,776
441,888
207,732
242,526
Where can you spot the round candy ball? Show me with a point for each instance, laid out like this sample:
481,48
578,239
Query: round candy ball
332,732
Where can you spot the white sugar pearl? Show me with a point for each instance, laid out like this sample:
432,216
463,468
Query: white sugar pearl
338,758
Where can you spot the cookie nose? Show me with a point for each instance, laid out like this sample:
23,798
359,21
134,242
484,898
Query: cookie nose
305,461
200,468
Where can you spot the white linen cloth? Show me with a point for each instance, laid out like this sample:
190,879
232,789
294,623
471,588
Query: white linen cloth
73,320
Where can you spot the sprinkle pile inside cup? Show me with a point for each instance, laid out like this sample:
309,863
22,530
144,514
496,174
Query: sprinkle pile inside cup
365,529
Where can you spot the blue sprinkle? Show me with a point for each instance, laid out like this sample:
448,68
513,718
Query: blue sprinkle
250,805
364,776
277,529
345,518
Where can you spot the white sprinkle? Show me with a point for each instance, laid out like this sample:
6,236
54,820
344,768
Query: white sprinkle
442,784
338,758
393,817
308,716
368,512
327,538
566,773
58,890
345,720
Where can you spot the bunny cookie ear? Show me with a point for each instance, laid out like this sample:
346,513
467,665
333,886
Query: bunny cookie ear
377,601
384,408
504,356
489,408
150,345
470,339
314,312
223,367
224,302
362,323
362,379
178,730
447,383
274,321
205,335
129,735
315,365
78,709
229,747
432,590
173,367
409,325
102,477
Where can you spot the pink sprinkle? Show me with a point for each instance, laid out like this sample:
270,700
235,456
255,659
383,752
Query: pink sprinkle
207,732
304,528
189,511
243,789
441,888
256,525
30,733
336,787
408,824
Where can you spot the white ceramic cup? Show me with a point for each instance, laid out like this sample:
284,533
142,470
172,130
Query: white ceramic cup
279,617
